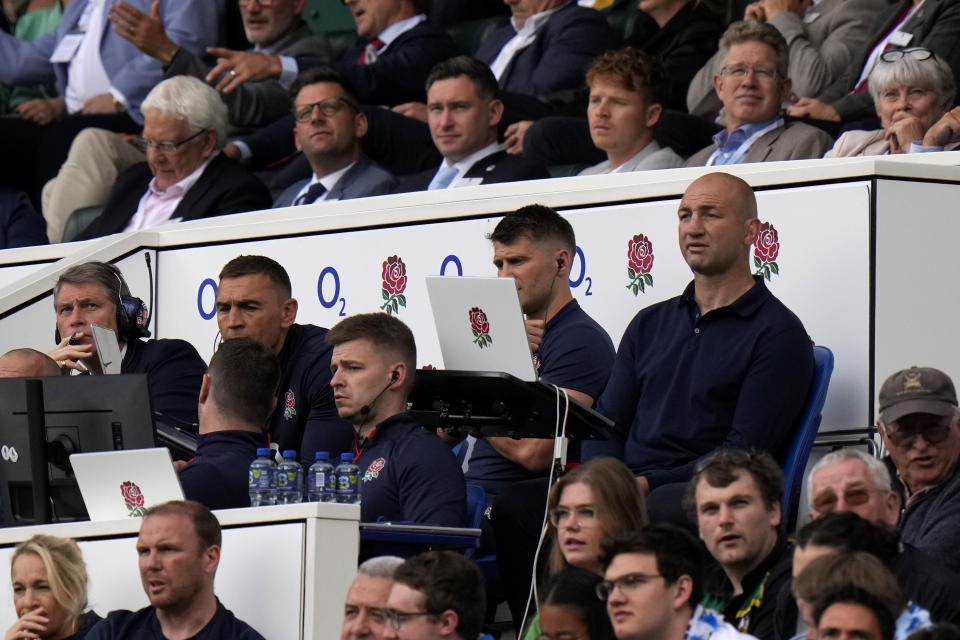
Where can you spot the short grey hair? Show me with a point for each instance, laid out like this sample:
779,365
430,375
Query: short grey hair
877,470
196,102
754,31
105,274
933,74
380,567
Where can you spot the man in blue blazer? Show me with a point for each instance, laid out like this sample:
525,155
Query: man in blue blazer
328,132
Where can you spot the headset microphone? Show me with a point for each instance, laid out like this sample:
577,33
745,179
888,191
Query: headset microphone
365,409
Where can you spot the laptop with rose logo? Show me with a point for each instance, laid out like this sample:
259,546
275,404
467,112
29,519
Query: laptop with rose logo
117,485
480,325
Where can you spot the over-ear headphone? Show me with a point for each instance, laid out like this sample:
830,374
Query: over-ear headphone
133,317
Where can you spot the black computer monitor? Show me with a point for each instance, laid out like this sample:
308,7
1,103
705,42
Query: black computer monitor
42,424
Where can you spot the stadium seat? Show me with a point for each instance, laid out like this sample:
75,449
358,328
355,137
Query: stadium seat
476,505
796,462
80,220
468,35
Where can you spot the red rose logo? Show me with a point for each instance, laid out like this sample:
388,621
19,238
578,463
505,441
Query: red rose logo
394,277
480,327
290,399
765,251
133,498
639,263
377,465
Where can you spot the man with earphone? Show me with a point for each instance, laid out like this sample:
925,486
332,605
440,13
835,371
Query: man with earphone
407,474
96,293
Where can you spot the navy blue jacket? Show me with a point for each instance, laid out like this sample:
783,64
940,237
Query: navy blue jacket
306,419
931,520
684,385
558,58
175,371
407,474
218,474
20,224
499,166
143,625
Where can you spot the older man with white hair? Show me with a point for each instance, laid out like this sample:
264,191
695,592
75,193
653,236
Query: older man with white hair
185,176
851,480
365,609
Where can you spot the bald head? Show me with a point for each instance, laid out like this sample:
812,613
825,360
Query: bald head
737,193
27,363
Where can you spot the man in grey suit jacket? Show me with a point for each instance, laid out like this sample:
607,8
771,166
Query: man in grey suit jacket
627,91
752,86
822,40
278,35
328,132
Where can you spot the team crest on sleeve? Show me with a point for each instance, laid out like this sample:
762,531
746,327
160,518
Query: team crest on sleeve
639,263
765,251
373,471
289,405
394,276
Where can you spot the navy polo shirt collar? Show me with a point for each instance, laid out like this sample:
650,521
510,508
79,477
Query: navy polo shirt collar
743,306
565,310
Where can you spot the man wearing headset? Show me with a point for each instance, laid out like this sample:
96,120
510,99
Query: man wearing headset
407,474
96,293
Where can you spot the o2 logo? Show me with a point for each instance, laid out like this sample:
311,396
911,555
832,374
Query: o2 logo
211,284
451,260
583,273
327,274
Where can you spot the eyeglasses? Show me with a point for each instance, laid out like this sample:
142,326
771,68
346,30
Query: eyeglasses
740,71
329,107
399,618
827,501
167,147
935,433
584,515
917,53
266,4
627,584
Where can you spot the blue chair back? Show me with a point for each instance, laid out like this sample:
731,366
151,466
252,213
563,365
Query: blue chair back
796,462
476,505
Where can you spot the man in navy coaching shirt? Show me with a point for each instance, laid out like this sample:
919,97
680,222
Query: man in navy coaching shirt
237,396
179,551
725,364
406,472
253,301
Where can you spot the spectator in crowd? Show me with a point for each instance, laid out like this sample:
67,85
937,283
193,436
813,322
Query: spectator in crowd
752,85
588,504
373,364
919,426
822,39
329,130
735,499
31,19
365,609
853,613
254,301
940,631
101,77
653,582
49,590
627,93
665,379
278,34
849,480
185,176
912,89
96,293
570,608
924,578
20,224
179,550
27,363
236,399
904,24
464,111
436,595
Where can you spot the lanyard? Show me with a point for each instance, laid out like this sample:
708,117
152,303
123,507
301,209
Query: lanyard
745,145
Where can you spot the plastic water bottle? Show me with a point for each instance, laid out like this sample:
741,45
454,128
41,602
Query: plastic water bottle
348,480
263,479
289,479
318,479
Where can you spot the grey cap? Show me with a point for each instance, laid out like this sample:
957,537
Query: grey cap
917,390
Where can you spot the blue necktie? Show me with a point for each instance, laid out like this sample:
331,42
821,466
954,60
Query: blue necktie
315,191
444,177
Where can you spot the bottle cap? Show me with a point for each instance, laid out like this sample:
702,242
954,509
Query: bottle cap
263,451
346,456
290,454
321,455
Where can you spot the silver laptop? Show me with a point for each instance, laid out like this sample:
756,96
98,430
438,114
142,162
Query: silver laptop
480,325
116,485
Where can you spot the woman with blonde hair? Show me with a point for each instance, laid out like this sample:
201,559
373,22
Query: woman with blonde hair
49,590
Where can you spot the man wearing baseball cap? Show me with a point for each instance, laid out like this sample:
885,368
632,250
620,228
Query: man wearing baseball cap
919,426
